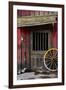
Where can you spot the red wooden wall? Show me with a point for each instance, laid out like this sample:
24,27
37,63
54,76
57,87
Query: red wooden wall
25,33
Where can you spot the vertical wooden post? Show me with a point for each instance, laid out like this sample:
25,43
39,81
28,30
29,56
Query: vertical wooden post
21,56
30,47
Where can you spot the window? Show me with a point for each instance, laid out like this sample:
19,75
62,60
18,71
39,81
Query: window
40,41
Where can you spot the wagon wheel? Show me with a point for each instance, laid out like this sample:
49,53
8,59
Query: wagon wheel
51,59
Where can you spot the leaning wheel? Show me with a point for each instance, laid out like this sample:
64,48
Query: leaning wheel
51,59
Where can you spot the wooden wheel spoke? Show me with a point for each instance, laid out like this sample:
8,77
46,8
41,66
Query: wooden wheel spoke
50,65
47,61
54,52
53,66
48,58
51,52
55,63
55,55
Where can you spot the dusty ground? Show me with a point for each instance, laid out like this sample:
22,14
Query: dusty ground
36,75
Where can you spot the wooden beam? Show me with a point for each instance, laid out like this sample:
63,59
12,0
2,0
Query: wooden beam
35,20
